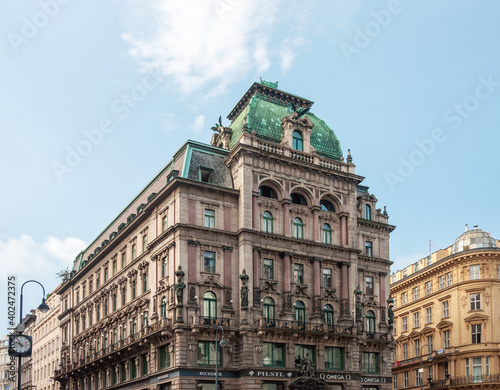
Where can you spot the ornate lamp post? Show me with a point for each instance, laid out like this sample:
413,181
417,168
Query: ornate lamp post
429,359
222,344
44,308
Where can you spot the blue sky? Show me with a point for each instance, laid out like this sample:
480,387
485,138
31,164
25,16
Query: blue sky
411,87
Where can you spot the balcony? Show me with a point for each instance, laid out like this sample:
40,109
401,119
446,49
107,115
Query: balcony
470,381
210,321
378,336
304,326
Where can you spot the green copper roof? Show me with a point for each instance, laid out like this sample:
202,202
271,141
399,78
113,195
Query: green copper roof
263,115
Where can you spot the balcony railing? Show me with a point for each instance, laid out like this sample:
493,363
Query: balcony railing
304,326
471,380
377,336
214,321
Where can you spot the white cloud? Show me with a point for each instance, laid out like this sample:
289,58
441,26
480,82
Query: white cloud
29,259
287,52
196,43
198,123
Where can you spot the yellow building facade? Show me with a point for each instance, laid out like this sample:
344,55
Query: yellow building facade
445,308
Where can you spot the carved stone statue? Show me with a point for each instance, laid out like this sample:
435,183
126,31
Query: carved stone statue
307,368
180,285
244,288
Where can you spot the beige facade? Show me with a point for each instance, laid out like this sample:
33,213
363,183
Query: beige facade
46,345
446,306
6,376
275,246
27,362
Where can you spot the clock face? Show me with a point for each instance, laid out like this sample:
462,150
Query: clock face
22,344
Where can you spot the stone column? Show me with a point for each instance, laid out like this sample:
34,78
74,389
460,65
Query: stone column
192,271
344,300
255,277
287,285
286,217
228,293
343,230
316,287
383,314
316,223
255,211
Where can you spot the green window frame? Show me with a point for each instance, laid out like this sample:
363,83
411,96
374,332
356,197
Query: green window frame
209,218
298,228
269,310
133,371
298,141
371,362
300,313
267,221
368,212
164,357
370,322
123,371
114,376
368,249
209,262
209,305
206,353
144,364
327,206
334,358
328,315
273,355
268,269
327,234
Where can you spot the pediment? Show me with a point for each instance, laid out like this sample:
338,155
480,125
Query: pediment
444,324
414,334
401,338
476,317
427,330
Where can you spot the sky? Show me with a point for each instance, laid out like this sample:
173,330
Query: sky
96,96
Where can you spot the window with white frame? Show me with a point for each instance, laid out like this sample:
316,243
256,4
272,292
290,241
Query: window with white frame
430,372
448,279
476,333
405,379
430,343
415,293
395,382
475,272
416,344
441,282
477,369
487,365
428,288
417,378
416,320
446,339
404,298
405,351
405,324
446,310
475,301
428,315
415,267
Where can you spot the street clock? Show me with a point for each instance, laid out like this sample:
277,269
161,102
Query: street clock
20,345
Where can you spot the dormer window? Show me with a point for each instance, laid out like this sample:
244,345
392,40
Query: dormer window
206,175
298,141
368,212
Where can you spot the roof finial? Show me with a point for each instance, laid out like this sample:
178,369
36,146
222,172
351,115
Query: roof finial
349,157
466,227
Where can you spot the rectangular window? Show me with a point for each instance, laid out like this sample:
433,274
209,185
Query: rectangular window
134,290
298,273
416,267
206,175
144,242
209,218
371,362
415,293
428,261
134,252
369,248
164,357
97,282
404,298
273,354
164,223
303,351
475,273
416,320
405,351
90,287
467,371
476,333
164,264
430,373
144,364
395,382
417,378
268,269
334,358
123,371
475,301
405,324
428,288
369,285
83,292
416,343
430,344
206,353
327,277
441,282
448,279
428,315
446,339
209,265
124,296
477,369
446,311
144,282
405,379
114,267
133,367
487,364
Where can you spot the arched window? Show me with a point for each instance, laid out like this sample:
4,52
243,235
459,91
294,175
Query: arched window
368,212
298,228
163,310
327,234
328,315
300,314
269,311
267,222
370,322
298,141
298,199
209,305
267,192
327,206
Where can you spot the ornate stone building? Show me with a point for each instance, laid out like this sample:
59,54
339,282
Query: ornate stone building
265,237
6,381
446,307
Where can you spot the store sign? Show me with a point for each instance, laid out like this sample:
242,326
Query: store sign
375,379
269,374
338,377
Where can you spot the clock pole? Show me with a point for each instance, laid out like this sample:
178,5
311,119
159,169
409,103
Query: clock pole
44,308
